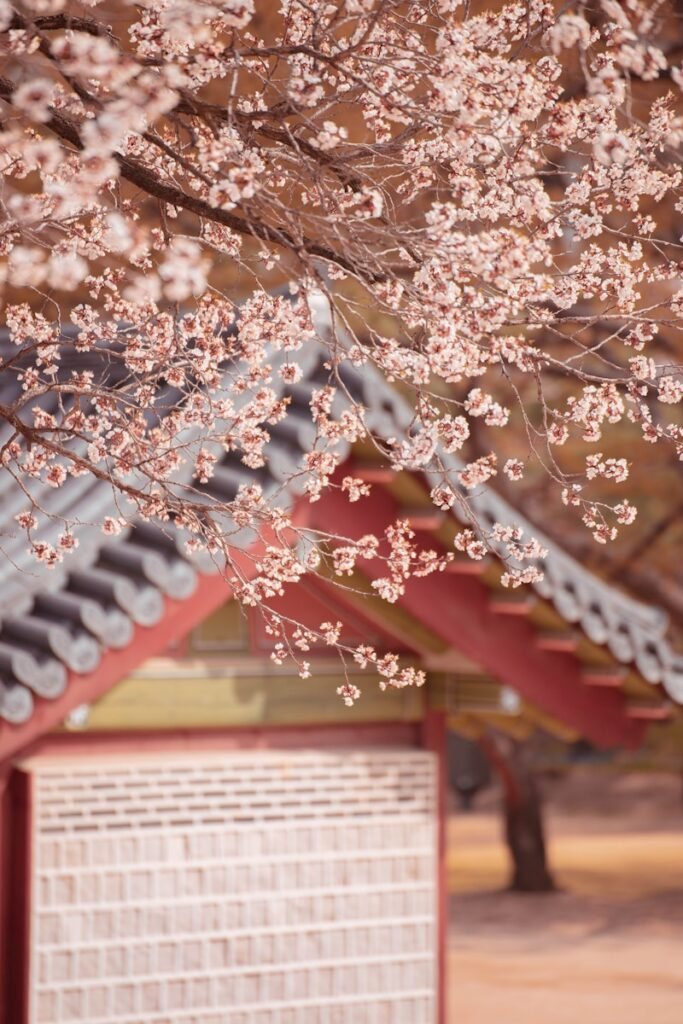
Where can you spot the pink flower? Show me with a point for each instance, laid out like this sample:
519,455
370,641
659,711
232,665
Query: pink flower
35,97
349,693
56,475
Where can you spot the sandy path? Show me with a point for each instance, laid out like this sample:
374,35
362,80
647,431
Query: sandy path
608,949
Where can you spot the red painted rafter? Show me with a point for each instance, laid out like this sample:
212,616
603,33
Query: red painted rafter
612,676
559,641
461,566
426,519
650,712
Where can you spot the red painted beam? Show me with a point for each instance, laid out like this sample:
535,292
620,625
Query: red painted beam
275,737
457,608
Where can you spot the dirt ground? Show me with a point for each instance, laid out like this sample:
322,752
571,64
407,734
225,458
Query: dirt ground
605,949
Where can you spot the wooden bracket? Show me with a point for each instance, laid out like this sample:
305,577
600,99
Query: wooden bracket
468,566
649,711
612,675
427,518
558,641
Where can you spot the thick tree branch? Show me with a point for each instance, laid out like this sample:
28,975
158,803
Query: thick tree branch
137,174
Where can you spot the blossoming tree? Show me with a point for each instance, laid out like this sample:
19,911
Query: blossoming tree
484,196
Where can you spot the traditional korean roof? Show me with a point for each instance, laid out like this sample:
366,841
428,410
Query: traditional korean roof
57,624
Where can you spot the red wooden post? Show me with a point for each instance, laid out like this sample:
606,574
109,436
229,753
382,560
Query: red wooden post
16,903
434,739
5,847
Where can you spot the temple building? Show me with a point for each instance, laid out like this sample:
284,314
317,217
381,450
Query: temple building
191,834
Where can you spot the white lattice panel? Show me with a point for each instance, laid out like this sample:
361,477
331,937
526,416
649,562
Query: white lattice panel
247,888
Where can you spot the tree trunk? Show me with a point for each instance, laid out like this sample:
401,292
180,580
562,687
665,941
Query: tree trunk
523,817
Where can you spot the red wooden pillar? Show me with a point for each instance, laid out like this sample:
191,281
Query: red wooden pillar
15,895
434,739
5,833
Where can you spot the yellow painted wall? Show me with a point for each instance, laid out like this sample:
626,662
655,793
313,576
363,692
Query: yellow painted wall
243,691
